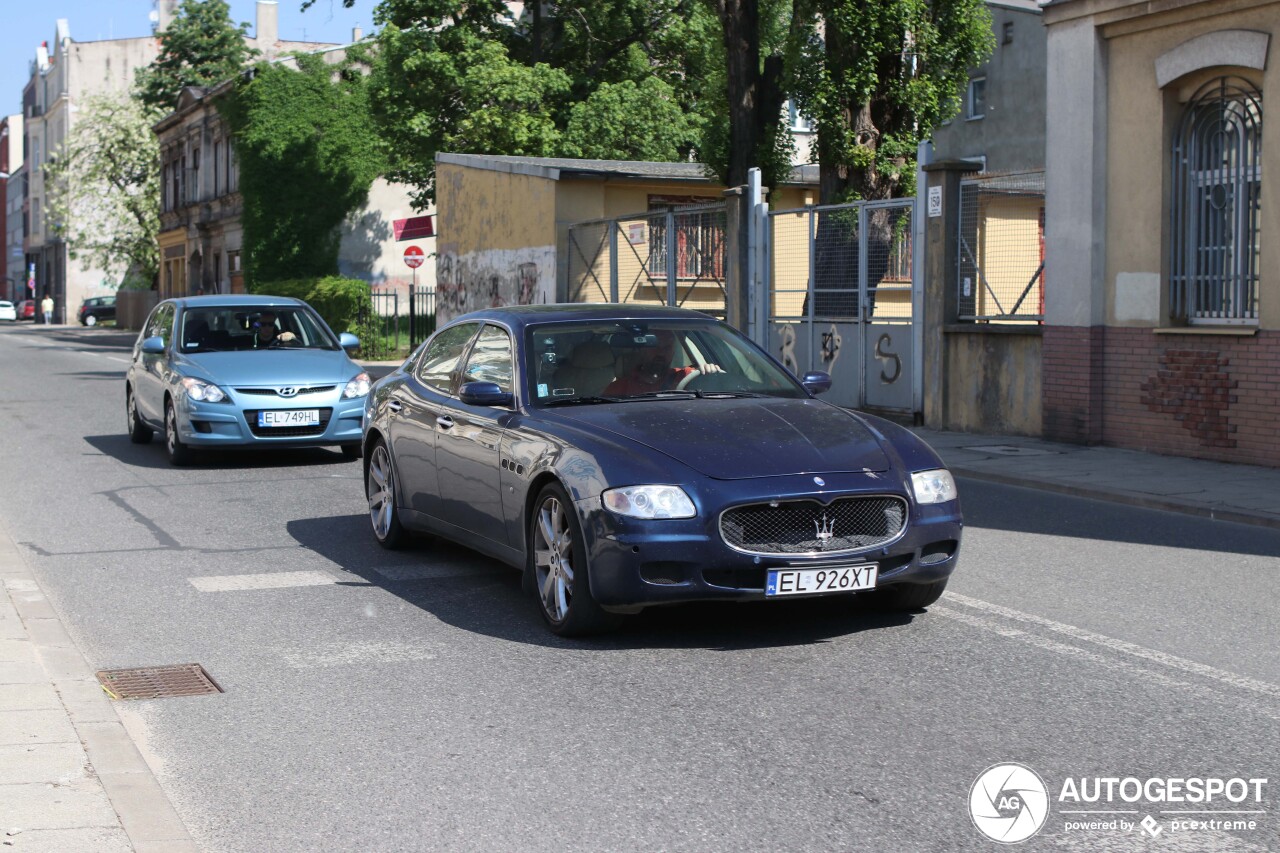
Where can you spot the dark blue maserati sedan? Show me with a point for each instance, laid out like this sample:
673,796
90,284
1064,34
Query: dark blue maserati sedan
625,456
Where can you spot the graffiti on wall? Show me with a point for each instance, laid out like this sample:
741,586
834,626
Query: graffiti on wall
493,279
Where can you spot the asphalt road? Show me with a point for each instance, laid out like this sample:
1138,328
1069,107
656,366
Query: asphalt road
414,701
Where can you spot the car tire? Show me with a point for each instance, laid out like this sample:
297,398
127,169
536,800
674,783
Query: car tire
91,320
380,491
179,453
139,433
557,565
350,451
909,596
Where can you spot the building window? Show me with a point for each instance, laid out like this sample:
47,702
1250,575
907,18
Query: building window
1215,204
1007,33
796,121
977,98
194,187
217,169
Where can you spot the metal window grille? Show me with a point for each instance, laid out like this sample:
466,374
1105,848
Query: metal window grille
1215,205
1000,253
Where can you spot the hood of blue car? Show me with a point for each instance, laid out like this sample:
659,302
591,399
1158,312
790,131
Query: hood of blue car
270,367
738,438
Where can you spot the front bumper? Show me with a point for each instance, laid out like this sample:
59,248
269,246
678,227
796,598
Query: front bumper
232,423
635,563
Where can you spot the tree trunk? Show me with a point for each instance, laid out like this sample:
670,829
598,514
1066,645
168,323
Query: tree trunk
740,22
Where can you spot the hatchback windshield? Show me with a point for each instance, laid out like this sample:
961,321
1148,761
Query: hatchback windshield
600,362
230,327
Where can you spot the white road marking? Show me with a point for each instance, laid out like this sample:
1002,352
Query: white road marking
421,573
1116,665
269,580
114,358
1242,682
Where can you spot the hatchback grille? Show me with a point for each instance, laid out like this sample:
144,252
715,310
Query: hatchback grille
251,416
272,392
808,527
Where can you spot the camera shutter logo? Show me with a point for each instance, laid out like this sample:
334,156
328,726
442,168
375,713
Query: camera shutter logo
1009,803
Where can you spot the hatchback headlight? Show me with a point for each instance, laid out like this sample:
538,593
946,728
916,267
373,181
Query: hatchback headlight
202,391
357,387
649,502
934,487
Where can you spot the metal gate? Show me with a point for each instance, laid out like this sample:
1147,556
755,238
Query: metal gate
666,257
842,296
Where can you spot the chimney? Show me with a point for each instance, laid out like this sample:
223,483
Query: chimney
356,34
267,32
165,10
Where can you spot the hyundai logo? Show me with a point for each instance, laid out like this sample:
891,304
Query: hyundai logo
287,391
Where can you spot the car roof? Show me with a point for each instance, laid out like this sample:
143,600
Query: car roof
238,300
520,316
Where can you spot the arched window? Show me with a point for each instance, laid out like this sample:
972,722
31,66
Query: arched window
1217,180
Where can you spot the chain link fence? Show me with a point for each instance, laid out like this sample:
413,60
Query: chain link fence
668,257
1001,275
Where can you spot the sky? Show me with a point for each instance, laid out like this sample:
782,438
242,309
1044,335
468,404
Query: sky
27,23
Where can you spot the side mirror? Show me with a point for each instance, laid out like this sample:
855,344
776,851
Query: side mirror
153,345
348,341
484,394
816,382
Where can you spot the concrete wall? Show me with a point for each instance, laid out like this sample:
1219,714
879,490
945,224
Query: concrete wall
495,239
993,380
369,249
1011,134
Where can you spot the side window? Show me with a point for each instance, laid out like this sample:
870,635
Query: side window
161,322
439,363
490,359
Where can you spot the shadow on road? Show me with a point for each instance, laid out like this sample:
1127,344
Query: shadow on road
152,455
1022,510
111,375
481,595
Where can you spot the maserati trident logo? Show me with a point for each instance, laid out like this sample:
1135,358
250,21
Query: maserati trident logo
826,530
287,391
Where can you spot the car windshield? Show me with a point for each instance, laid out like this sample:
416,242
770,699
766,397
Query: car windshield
232,327
599,362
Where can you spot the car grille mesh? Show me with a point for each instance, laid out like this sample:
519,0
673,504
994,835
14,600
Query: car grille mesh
803,527
251,416
272,392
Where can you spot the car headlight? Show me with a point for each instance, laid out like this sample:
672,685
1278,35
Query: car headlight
649,502
202,391
934,487
357,387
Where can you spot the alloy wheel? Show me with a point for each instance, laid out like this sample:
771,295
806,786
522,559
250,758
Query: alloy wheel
553,559
380,490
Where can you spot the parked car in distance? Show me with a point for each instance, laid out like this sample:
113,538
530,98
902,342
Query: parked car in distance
212,372
624,456
8,311
96,309
27,309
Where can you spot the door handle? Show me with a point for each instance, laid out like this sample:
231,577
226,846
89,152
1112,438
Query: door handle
444,422
394,405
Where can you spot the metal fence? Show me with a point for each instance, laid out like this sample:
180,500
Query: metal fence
1001,275
667,257
399,321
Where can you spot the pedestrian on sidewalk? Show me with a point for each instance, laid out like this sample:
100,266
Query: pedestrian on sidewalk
46,308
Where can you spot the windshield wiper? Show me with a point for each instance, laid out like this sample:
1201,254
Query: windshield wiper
573,401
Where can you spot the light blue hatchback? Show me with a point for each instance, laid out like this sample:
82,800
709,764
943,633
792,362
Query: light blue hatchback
243,371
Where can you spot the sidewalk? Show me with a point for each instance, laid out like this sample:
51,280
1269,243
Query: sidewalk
71,778
1220,490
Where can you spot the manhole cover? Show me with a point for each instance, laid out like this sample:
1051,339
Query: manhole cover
1011,450
158,682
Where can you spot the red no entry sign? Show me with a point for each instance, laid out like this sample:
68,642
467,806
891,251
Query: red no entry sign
413,257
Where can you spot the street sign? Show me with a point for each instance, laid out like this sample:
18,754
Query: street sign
413,257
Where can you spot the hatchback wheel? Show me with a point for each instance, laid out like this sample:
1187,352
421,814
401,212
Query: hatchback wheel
139,433
91,320
380,489
558,568
179,453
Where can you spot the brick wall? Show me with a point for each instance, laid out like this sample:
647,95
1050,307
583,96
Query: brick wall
1210,397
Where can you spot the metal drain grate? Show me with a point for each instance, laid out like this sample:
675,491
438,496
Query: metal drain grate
158,682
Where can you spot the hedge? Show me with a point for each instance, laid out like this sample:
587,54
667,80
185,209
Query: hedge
338,300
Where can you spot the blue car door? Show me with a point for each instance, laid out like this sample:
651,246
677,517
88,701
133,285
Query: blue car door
469,443
149,377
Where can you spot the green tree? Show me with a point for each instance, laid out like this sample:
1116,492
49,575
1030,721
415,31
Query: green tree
876,76
104,188
201,47
308,154
566,79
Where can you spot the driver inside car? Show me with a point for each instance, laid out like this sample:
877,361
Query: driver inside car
650,369
268,335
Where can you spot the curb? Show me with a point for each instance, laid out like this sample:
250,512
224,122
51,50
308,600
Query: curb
1135,500
144,812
